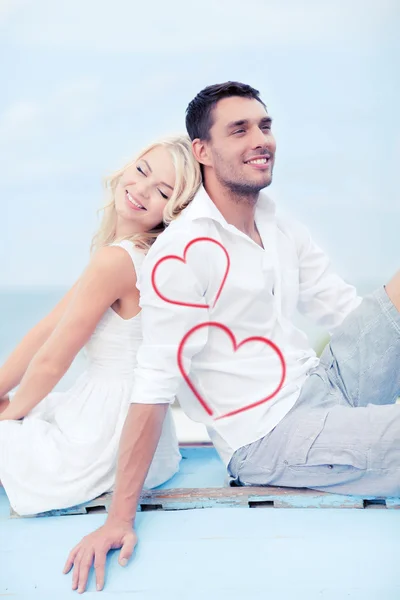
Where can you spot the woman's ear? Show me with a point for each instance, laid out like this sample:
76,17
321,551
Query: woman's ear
201,152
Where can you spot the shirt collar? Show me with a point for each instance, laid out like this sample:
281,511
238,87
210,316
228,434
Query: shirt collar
202,207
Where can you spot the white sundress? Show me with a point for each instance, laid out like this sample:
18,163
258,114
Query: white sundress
64,452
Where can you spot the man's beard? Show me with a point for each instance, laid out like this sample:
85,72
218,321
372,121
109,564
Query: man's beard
244,189
241,189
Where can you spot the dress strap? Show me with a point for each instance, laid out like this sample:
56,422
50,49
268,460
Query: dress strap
136,255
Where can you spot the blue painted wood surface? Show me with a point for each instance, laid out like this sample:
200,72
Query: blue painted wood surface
214,553
217,554
202,482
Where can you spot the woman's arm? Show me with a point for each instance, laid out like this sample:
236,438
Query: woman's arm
4,402
12,371
109,276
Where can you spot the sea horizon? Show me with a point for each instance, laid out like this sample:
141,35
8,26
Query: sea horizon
22,307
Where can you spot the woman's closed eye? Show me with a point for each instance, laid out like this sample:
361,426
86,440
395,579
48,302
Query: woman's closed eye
162,193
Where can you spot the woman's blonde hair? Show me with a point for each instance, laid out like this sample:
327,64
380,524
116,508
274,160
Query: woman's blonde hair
187,182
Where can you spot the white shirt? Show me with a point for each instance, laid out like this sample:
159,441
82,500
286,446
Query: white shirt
263,288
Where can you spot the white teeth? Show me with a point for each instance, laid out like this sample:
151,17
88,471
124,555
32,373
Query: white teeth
133,201
258,161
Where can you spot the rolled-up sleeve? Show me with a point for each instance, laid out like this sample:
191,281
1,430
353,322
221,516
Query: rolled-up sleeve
323,296
157,376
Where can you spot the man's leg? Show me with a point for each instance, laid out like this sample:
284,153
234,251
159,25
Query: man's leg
334,439
362,359
393,290
325,444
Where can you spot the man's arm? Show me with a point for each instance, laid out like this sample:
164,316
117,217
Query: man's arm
157,378
140,435
323,296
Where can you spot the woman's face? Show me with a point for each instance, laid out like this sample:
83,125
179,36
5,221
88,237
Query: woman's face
144,189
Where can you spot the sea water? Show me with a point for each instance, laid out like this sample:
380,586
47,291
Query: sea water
22,308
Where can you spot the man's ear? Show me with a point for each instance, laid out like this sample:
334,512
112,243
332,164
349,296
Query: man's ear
201,152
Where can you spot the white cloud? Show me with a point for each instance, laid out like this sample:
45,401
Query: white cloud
72,103
75,102
9,8
28,125
181,25
93,81
21,118
69,127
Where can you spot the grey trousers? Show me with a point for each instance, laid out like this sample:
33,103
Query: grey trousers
343,433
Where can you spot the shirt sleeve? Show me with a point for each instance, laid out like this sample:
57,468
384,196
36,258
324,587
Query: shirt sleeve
157,376
323,296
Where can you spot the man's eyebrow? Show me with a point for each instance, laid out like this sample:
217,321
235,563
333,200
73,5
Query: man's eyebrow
163,182
237,123
232,124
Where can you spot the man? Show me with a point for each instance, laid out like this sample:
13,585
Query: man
276,414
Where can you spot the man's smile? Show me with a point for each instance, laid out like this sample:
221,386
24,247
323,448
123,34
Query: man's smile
261,162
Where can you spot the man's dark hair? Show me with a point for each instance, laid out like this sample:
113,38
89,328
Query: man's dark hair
199,111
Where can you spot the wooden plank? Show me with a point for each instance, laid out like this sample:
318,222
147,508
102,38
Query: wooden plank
231,497
202,483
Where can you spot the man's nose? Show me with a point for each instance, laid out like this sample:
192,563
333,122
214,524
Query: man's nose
259,139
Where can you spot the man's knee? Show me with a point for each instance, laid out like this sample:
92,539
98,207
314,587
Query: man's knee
393,290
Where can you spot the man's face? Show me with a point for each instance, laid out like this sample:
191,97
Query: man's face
242,147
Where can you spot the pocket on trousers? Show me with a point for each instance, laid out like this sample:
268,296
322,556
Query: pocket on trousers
307,452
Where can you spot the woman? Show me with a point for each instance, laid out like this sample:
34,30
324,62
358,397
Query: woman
60,449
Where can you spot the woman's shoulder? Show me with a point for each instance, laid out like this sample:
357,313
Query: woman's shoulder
117,259
136,254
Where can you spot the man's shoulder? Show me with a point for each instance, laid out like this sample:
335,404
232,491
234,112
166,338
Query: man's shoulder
285,220
291,226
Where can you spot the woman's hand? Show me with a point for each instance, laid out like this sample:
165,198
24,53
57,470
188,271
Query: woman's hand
93,549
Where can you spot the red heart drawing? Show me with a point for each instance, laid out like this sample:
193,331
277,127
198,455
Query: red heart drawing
236,346
183,260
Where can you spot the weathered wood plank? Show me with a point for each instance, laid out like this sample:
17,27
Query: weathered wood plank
233,497
202,483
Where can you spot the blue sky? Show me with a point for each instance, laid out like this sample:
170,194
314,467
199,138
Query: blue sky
86,83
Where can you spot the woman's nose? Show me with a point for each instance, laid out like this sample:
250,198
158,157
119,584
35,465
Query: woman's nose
142,189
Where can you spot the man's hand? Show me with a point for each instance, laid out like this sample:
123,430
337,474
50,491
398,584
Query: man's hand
139,439
94,547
